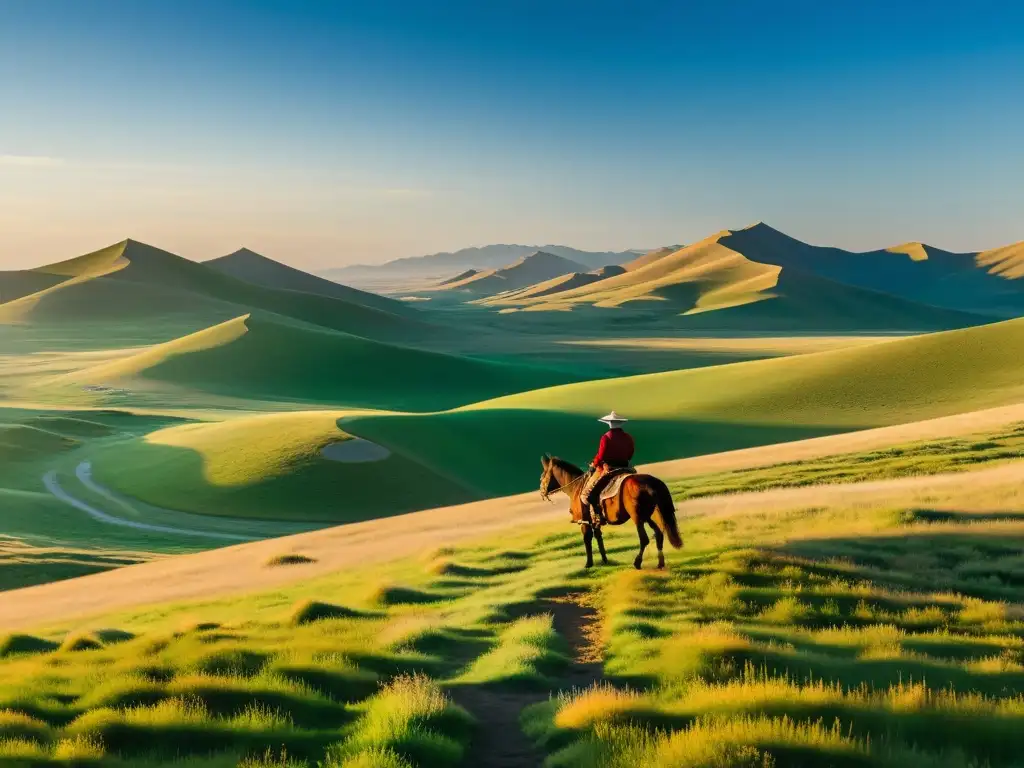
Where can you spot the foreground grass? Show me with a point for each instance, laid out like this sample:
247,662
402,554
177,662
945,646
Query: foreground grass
878,635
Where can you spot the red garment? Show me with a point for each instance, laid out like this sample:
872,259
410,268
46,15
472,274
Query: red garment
616,449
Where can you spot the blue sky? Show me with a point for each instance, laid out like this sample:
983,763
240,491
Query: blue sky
325,133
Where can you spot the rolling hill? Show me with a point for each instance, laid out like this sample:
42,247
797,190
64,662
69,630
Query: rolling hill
460,277
263,358
986,282
717,285
537,267
490,447
558,284
257,269
720,408
271,466
18,283
651,256
440,265
134,282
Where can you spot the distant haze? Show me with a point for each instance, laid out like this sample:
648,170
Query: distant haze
332,134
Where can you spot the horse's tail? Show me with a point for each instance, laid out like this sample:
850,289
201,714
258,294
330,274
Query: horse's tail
664,515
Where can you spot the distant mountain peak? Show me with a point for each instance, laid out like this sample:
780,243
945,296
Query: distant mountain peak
538,256
243,251
461,276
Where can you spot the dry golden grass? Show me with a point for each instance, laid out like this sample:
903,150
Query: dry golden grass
769,346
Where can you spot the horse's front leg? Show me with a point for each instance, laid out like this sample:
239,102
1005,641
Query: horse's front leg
600,546
588,537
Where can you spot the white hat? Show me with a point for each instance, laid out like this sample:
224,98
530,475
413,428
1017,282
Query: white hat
613,418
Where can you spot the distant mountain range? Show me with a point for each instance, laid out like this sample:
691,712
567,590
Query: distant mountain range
444,265
749,280
536,267
760,278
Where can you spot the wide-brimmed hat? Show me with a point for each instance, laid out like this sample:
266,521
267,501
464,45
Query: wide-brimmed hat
613,418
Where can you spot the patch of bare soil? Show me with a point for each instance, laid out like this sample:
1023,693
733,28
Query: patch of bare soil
500,741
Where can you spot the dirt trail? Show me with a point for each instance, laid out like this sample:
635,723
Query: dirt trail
500,741
84,474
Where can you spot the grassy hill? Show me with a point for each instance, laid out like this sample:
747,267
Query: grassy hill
719,408
987,282
257,269
651,256
537,267
558,284
490,448
135,282
460,277
18,283
272,467
262,358
717,285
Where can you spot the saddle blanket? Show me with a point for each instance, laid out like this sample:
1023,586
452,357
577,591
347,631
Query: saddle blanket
612,488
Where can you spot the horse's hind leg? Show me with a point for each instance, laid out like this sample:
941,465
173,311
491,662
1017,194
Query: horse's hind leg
644,541
588,537
659,540
600,545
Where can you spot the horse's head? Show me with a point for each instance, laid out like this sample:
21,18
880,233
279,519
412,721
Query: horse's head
548,482
558,475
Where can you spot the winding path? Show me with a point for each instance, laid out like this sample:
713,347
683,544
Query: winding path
84,473
500,741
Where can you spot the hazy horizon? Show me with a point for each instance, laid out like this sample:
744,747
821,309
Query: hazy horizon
323,136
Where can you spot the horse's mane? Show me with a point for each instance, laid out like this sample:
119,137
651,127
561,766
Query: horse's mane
565,464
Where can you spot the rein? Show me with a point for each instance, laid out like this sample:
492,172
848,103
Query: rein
563,488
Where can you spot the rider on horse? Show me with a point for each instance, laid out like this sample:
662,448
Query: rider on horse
615,452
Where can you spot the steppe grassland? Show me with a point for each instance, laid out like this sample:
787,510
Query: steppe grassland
852,634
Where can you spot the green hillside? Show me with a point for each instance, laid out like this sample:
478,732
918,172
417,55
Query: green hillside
258,269
271,467
18,283
734,281
801,301
987,282
686,413
491,447
264,359
135,282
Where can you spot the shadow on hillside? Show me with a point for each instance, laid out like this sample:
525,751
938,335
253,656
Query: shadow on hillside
976,561
475,445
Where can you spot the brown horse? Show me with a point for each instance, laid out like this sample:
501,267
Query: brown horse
644,499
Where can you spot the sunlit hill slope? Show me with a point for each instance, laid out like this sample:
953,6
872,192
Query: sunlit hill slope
489,448
131,281
718,284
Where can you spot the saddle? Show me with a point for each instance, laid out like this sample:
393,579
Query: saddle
613,481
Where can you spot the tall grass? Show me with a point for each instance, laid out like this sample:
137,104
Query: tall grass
411,719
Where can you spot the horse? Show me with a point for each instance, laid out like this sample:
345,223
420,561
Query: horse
644,499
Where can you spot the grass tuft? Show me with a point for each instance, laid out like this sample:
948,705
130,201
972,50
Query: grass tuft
412,719
16,644
309,611
292,558
81,642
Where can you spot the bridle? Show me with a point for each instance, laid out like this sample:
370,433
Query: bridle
561,488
